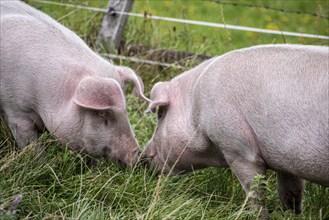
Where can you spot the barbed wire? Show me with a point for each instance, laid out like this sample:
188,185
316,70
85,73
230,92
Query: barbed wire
270,8
194,22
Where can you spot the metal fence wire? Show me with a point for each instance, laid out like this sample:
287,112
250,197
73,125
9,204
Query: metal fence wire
283,10
186,21
113,11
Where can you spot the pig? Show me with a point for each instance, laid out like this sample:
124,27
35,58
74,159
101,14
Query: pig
252,109
51,80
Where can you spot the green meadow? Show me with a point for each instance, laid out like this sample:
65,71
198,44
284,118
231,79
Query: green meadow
62,186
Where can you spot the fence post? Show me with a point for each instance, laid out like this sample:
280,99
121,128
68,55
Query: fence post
113,24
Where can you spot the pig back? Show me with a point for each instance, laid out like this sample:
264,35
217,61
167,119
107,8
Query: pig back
280,92
37,55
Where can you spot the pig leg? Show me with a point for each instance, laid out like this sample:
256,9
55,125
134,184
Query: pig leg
245,170
23,130
241,151
290,190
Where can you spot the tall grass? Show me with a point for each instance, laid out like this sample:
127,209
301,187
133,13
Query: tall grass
60,185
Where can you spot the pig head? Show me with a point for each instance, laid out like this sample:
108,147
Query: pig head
264,107
51,80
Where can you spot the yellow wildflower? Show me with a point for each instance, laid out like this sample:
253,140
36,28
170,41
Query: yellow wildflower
272,26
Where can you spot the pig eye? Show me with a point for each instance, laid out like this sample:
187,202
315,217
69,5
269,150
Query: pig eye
102,114
106,116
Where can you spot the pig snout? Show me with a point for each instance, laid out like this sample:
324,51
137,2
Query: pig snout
161,163
126,155
131,158
128,158
149,154
146,157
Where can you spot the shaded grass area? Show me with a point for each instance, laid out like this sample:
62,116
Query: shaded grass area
60,185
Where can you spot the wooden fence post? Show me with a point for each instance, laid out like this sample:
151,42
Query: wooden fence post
113,24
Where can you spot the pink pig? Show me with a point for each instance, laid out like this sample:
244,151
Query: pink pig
264,107
51,80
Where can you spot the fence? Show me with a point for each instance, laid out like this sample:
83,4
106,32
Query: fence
116,16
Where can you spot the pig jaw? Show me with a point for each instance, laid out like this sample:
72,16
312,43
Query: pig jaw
125,157
89,135
124,150
182,154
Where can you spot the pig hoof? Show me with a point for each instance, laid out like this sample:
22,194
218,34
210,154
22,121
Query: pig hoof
292,203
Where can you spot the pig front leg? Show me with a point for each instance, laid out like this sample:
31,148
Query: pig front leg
23,130
245,170
290,190
238,143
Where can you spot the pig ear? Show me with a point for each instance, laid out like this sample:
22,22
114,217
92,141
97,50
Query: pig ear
159,96
127,76
100,94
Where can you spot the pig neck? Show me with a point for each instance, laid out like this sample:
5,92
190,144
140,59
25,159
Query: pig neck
181,93
182,88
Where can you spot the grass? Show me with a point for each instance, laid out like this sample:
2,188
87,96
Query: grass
62,186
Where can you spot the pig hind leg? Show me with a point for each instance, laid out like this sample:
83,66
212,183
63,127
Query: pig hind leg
290,190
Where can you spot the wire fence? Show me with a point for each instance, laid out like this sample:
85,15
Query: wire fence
113,11
283,10
194,22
